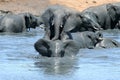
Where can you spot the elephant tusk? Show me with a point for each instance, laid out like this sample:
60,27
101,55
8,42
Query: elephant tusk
99,28
61,26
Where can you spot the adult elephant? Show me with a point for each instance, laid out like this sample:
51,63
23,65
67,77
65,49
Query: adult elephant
79,22
66,47
17,22
107,43
114,13
54,18
99,16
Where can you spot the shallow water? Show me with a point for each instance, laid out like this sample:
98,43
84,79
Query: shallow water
20,61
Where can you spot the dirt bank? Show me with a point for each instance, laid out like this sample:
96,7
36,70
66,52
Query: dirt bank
36,6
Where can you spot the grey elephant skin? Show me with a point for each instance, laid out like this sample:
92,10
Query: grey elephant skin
114,12
66,47
56,48
102,16
54,18
77,22
86,39
17,22
107,43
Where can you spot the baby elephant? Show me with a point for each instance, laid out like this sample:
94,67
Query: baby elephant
107,43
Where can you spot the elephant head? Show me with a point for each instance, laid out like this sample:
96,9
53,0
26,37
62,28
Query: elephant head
30,20
54,18
56,48
90,21
107,43
60,17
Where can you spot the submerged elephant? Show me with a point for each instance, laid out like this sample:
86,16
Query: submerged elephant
107,43
54,18
56,48
86,39
17,22
66,47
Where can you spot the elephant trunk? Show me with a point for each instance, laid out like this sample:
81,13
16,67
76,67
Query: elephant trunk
57,26
96,26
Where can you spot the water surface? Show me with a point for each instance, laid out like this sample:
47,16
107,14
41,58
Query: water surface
20,61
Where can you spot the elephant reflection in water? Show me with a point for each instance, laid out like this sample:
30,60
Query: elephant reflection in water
57,65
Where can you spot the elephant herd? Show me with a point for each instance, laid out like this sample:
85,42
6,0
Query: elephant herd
66,30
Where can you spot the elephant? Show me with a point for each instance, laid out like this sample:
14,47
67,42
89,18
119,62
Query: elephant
86,39
57,48
17,22
117,26
114,13
102,18
107,43
78,22
54,18
66,47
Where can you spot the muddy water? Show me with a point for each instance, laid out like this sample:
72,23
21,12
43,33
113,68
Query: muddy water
19,60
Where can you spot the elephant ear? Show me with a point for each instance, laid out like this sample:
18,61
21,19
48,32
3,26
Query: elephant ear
111,9
71,48
71,22
42,46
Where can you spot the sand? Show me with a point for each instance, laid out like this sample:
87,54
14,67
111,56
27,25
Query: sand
37,6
